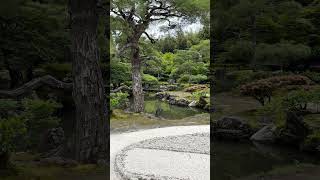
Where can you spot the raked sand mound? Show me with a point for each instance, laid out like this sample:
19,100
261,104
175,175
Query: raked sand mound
180,152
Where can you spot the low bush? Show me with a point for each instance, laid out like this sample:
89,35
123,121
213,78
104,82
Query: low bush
149,80
195,79
118,100
7,107
198,79
314,76
39,116
262,89
25,125
298,100
275,110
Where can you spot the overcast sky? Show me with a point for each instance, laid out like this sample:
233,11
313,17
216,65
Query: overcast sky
155,31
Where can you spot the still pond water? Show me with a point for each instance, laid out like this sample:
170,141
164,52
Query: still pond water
165,110
236,160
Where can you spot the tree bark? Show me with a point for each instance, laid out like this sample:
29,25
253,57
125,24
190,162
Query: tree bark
137,89
91,131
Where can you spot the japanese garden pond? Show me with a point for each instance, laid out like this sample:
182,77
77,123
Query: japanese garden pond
232,160
164,110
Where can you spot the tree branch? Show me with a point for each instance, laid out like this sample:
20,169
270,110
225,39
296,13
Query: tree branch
150,38
34,84
123,88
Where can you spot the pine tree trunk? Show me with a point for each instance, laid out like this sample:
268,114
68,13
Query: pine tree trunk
91,133
137,90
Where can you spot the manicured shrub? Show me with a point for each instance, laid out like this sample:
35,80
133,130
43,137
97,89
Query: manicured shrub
118,100
198,79
25,125
120,72
195,79
149,80
262,89
39,116
7,107
298,100
274,110
11,131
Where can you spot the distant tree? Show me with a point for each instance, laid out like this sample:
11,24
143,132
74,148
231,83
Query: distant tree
284,54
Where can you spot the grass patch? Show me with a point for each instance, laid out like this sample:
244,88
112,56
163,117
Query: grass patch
122,121
26,168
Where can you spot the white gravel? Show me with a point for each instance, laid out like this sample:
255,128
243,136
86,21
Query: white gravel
127,143
162,164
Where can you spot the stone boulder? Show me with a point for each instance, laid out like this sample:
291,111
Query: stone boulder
294,132
232,128
168,87
179,102
264,135
202,102
162,95
193,104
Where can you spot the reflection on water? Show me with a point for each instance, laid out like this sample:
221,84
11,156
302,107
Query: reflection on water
165,110
234,160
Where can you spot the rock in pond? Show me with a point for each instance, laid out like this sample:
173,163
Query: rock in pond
202,102
294,132
162,95
265,135
193,104
232,128
179,102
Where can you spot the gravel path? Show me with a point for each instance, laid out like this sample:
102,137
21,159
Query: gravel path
163,153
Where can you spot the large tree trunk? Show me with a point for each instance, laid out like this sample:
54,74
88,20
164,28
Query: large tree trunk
91,131
137,90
